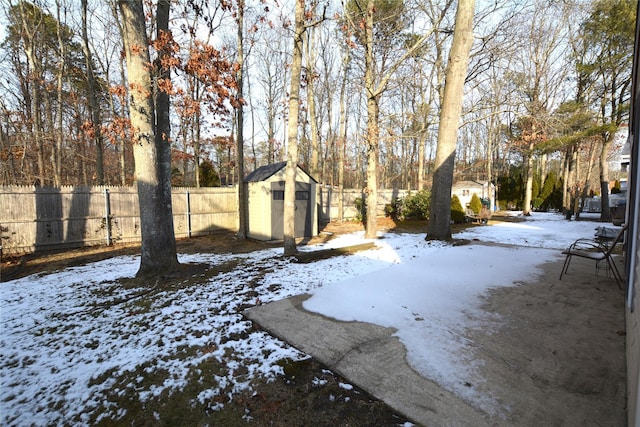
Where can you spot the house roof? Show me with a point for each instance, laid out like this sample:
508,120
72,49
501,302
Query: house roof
265,172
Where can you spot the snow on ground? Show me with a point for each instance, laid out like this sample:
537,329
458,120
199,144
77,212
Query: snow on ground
67,338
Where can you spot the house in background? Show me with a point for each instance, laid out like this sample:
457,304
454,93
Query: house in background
265,203
465,189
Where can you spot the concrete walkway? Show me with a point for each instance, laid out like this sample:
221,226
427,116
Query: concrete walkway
558,358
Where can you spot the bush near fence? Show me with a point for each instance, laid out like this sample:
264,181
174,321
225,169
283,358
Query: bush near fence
44,218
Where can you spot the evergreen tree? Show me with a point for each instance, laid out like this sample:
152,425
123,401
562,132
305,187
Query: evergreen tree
457,212
475,204
208,175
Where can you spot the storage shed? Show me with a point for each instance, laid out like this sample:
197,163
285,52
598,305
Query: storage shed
265,203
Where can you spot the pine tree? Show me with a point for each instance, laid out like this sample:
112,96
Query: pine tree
457,212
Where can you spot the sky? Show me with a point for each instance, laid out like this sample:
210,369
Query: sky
66,337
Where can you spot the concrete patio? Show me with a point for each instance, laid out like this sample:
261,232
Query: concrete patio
557,358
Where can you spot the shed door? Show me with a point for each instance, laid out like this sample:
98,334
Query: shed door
303,217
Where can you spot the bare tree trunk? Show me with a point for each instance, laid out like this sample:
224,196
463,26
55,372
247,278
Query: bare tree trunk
242,214
342,136
528,188
34,79
440,215
586,187
56,154
48,130
314,168
605,212
421,152
575,190
311,102
371,190
94,106
254,155
158,250
489,153
163,126
196,143
566,174
37,125
122,158
292,133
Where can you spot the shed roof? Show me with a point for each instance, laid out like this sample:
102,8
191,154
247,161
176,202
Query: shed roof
265,172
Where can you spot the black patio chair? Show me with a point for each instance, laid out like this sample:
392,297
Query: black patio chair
596,250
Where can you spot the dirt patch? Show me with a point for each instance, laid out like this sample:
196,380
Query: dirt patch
558,355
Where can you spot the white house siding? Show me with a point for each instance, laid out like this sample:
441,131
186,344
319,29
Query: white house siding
633,347
465,190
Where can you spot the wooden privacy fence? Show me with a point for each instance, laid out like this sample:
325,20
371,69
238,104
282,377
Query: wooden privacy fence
329,202
43,218
38,218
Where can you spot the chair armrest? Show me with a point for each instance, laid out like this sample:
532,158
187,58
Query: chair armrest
587,244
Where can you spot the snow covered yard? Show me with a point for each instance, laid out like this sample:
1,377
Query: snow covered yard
75,341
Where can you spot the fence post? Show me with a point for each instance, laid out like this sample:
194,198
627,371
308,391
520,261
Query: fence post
107,215
188,214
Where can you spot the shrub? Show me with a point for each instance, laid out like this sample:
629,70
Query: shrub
416,206
457,213
476,204
394,209
617,188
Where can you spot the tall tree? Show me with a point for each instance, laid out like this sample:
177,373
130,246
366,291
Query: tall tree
342,131
272,74
158,251
32,30
92,95
310,78
547,40
440,213
292,130
377,25
242,202
303,20
164,45
609,34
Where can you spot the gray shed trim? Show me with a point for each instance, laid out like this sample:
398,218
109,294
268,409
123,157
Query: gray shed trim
265,172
